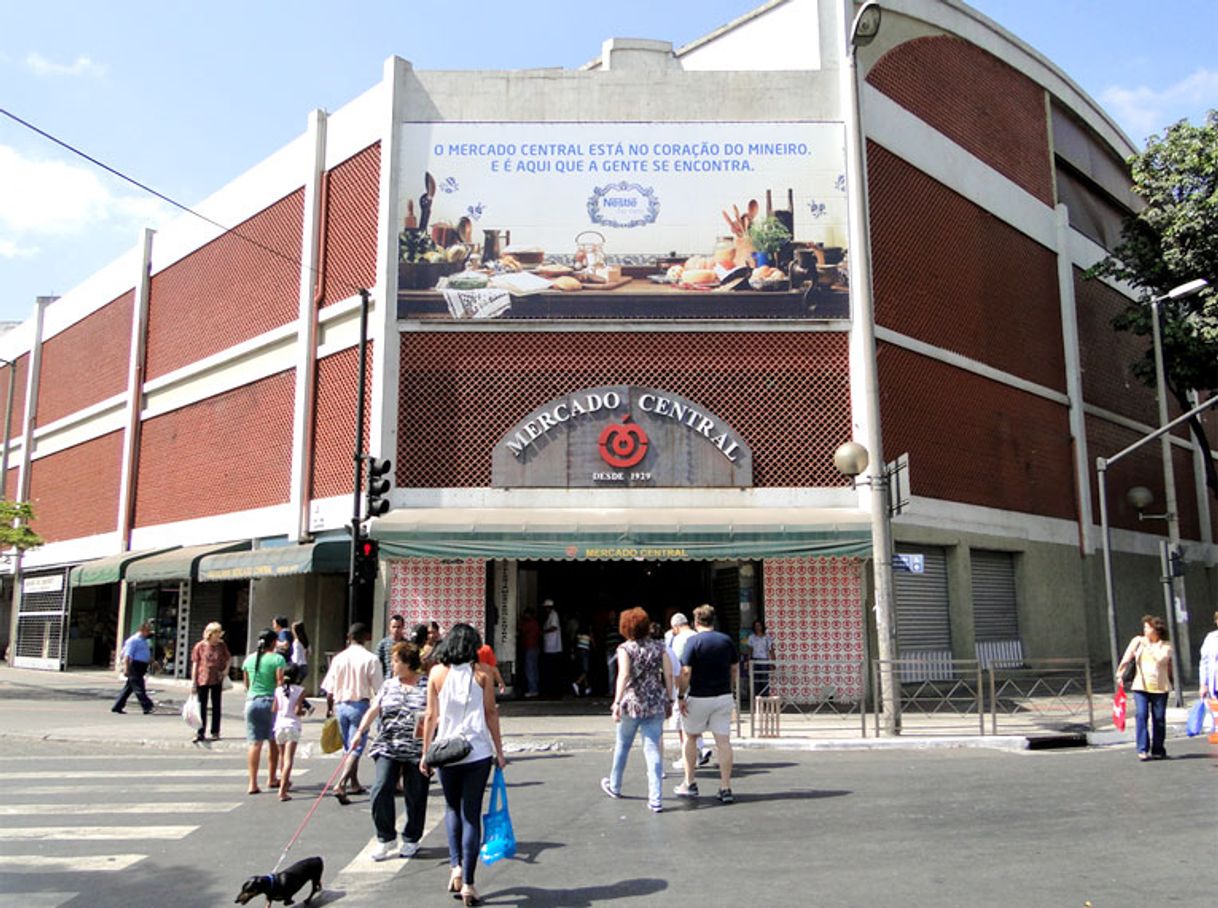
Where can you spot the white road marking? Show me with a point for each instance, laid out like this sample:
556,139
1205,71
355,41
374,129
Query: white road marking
95,833
36,899
37,863
44,809
137,774
365,866
139,790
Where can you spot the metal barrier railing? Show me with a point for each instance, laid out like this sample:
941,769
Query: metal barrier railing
1047,693
804,689
939,697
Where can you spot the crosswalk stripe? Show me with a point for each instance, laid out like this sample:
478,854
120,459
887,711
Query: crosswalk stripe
95,833
142,790
138,774
363,865
44,809
40,863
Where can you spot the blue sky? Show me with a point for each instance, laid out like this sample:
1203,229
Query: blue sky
184,97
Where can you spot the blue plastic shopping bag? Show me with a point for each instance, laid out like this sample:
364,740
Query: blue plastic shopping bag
498,839
1196,719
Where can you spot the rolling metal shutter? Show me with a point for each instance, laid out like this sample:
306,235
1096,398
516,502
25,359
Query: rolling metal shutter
994,614
922,617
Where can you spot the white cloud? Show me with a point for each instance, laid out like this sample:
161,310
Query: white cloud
1144,110
81,66
40,198
10,250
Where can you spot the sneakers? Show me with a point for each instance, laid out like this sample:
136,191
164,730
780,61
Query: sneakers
385,851
409,849
705,757
726,796
655,806
678,763
686,791
605,787
575,687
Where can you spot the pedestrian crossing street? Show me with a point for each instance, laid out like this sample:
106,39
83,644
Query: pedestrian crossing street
66,833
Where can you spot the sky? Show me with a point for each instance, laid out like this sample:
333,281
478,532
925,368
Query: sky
186,97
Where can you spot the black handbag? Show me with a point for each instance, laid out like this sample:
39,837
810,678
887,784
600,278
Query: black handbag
445,751
1130,671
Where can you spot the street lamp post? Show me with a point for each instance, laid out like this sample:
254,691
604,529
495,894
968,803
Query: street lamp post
1178,613
863,29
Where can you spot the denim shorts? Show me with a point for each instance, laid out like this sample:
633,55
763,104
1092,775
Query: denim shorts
259,718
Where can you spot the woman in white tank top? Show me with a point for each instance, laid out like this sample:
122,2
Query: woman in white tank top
461,700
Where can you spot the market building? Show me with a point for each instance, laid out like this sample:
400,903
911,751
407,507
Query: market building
663,433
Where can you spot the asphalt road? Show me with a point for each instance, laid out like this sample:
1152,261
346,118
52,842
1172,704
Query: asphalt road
119,827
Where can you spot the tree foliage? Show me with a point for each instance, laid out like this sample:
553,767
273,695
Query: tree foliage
15,532
1172,241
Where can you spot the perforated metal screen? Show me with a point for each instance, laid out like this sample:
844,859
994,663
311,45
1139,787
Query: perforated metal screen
787,394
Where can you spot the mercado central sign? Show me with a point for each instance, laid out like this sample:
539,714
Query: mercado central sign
621,436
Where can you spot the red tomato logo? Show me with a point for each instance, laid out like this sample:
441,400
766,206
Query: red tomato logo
623,445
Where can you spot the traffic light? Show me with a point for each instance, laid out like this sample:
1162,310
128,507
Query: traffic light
378,487
367,561
1175,557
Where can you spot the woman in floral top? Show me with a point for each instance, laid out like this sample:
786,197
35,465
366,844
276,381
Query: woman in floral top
397,751
641,702
209,665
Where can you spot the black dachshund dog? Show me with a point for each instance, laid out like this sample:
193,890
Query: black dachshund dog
283,886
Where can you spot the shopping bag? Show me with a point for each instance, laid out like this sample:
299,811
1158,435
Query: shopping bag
1196,719
190,713
1118,708
498,839
331,737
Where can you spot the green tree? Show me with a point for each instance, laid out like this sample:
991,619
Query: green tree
15,532
1170,242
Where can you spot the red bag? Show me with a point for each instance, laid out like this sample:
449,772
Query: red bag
1118,708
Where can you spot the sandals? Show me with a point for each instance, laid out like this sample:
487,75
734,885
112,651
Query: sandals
454,880
470,896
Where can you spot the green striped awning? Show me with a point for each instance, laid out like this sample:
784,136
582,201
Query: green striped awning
617,534
178,564
327,557
109,570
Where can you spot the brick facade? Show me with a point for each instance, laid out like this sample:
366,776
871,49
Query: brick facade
349,253
75,492
87,362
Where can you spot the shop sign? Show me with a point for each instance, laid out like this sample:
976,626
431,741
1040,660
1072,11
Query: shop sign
621,436
50,583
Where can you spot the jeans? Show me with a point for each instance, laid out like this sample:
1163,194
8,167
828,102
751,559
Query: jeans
464,784
532,675
212,692
652,728
350,714
1156,706
414,798
135,685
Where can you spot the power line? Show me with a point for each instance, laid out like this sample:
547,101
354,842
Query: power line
67,146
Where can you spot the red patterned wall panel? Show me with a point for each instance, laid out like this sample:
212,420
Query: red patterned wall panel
974,440
74,492
949,273
87,362
814,612
240,285
980,103
231,452
786,394
1106,355
353,191
1143,467
334,425
422,590
18,374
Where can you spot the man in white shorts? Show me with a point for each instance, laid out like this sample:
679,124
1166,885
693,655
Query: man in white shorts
709,669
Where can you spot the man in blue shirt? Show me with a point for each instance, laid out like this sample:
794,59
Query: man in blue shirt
136,656
705,694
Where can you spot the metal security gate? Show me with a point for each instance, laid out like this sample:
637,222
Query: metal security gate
924,636
995,615
42,621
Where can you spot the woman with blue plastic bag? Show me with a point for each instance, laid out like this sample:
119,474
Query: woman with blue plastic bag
640,703
461,704
1208,690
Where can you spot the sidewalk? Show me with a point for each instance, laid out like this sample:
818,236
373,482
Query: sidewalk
73,707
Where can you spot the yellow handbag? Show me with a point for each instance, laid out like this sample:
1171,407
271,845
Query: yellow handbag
331,737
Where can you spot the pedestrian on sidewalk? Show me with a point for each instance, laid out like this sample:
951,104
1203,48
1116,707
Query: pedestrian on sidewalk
1208,673
290,705
397,752
300,651
461,700
641,701
137,654
397,634
263,672
709,669
530,647
761,653
209,661
354,678
1152,654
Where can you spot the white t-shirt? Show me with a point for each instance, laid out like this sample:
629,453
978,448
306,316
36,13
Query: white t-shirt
551,634
285,707
760,645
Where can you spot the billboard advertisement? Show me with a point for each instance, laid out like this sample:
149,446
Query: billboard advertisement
622,220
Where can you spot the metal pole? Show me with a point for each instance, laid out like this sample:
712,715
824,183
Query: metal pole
1177,591
1101,467
1168,597
365,300
8,417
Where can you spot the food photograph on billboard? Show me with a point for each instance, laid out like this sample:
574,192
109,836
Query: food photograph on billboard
622,220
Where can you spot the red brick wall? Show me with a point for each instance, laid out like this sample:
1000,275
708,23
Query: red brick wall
19,373
87,362
973,440
231,452
352,203
977,101
948,273
74,492
787,395
238,286
334,425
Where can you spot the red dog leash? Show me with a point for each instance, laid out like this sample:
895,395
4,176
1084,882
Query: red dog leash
309,815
